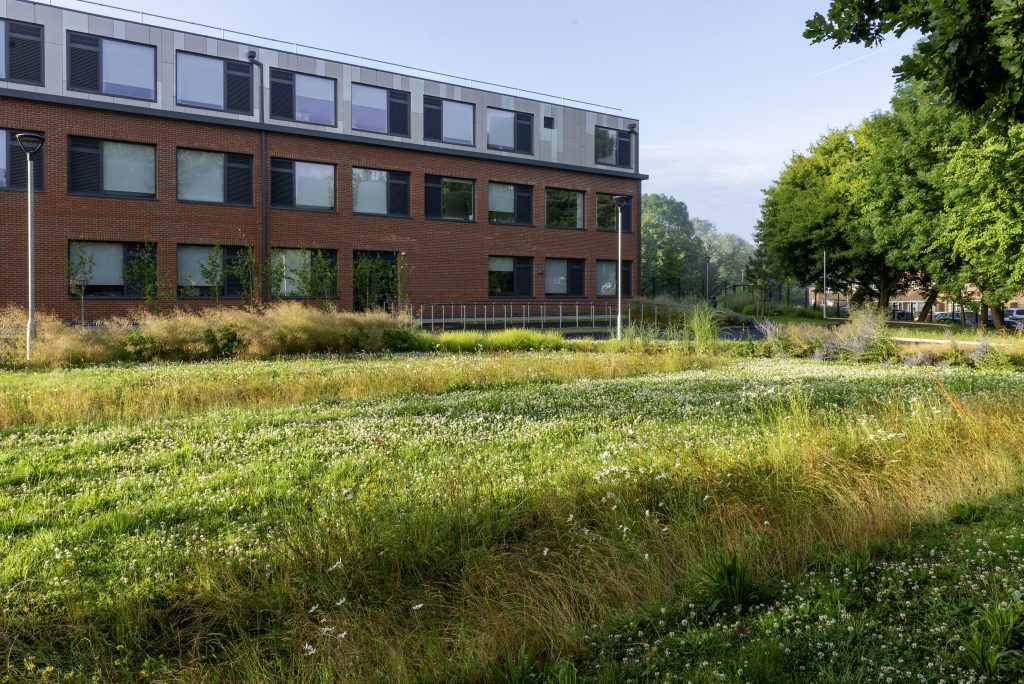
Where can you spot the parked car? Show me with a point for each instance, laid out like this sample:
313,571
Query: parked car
947,317
1013,313
1014,324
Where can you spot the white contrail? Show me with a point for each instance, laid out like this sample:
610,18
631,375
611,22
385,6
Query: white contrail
873,53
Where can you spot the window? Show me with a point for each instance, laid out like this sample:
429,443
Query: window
14,164
447,121
613,147
104,167
304,273
511,131
111,67
21,52
214,177
449,198
301,185
608,214
606,282
380,192
116,269
563,277
301,97
511,204
214,83
202,267
549,122
564,208
510,276
380,110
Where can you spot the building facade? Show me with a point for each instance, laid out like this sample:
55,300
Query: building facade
184,168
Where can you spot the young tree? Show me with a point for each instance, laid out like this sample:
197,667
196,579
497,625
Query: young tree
141,274
318,279
80,269
212,271
244,268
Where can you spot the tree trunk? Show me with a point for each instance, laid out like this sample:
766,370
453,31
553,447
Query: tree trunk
81,303
997,317
929,304
982,317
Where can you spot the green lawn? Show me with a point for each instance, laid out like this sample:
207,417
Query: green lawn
432,534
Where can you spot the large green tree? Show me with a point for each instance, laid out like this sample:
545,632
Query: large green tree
971,51
984,214
669,248
815,208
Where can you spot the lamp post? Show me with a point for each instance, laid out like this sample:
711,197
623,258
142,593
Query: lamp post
30,144
622,202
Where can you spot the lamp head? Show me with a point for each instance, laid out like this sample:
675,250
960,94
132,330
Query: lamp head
621,201
30,142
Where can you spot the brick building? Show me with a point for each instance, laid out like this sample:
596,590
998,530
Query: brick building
162,166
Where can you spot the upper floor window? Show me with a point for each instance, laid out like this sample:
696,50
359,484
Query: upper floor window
447,121
512,131
563,208
608,214
301,97
105,167
380,110
380,192
14,164
21,52
111,67
301,185
214,177
449,198
213,83
613,147
508,203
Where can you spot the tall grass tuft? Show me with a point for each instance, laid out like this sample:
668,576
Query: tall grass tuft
701,322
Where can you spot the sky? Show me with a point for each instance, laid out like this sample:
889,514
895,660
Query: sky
725,90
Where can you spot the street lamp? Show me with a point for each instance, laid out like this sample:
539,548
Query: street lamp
30,144
622,202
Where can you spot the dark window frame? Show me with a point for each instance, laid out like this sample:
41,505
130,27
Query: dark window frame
408,194
441,139
583,202
295,95
11,150
99,91
111,193
618,142
126,248
301,207
516,149
5,37
229,254
520,265
227,166
627,222
516,187
225,61
582,280
426,188
390,92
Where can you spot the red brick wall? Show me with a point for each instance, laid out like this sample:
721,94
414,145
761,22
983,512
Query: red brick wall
448,260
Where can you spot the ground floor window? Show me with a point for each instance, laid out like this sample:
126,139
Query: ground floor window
211,270
510,276
374,279
607,283
112,269
563,277
304,273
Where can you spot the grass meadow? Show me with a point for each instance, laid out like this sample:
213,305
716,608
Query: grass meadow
473,517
